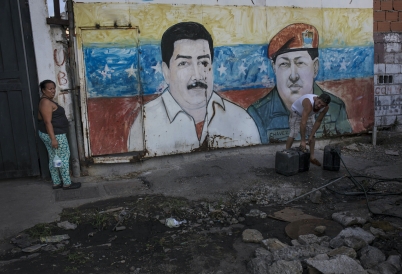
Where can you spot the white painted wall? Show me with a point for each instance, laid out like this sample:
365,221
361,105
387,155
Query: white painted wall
49,45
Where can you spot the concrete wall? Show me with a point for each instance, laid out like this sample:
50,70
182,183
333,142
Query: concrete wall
388,63
51,53
128,99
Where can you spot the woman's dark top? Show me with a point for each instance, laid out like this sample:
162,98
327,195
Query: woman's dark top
59,121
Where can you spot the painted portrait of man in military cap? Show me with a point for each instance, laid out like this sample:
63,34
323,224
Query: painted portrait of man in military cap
294,56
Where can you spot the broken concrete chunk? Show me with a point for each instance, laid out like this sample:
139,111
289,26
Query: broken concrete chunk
55,238
377,232
252,236
339,264
67,225
349,232
343,250
263,254
33,248
273,244
295,242
371,256
354,243
352,147
49,248
392,152
285,267
257,213
321,257
320,229
258,266
292,253
346,218
315,197
312,239
386,268
395,260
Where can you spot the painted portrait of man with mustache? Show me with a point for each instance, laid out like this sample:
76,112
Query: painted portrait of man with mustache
189,115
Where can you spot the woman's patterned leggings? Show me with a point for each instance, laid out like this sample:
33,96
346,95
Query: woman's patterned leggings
64,154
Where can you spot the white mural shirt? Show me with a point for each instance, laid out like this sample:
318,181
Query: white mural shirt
169,129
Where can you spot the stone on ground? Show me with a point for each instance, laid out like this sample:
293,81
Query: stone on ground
343,250
252,236
338,265
273,244
371,256
285,267
346,218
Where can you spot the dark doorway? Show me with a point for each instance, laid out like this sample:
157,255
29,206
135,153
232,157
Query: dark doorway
18,92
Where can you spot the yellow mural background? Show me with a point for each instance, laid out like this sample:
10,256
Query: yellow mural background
229,25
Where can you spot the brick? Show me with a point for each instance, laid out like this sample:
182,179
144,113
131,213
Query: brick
392,68
388,58
397,5
391,16
396,26
392,37
386,5
392,47
384,26
378,38
379,16
398,58
381,68
377,5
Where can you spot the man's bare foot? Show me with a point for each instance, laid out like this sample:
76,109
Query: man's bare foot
315,162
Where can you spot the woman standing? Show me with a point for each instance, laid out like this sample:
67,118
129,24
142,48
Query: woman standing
53,128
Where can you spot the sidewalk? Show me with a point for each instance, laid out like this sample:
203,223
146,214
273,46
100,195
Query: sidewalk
29,201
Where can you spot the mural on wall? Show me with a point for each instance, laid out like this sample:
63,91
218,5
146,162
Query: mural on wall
294,57
229,82
189,113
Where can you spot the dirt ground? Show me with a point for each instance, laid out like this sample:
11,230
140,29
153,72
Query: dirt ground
210,238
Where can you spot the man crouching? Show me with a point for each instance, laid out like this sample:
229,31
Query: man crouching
302,117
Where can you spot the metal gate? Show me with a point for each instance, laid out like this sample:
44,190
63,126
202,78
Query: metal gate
18,152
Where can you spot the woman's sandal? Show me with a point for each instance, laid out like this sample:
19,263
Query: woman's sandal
72,186
57,186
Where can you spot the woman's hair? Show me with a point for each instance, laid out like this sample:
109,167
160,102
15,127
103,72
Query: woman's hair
42,84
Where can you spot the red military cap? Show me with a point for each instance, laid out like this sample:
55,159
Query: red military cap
293,37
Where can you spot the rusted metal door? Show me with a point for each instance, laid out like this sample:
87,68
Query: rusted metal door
18,151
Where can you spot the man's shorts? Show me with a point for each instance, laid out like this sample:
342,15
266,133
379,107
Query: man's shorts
294,124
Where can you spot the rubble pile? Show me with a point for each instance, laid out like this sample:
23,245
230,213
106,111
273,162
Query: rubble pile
351,251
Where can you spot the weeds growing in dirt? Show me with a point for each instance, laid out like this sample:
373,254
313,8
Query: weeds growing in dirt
77,258
73,216
71,269
40,230
100,221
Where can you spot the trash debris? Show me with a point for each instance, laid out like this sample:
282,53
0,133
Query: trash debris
171,222
352,147
111,210
120,228
257,213
33,248
55,238
67,225
289,214
392,152
91,234
112,239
